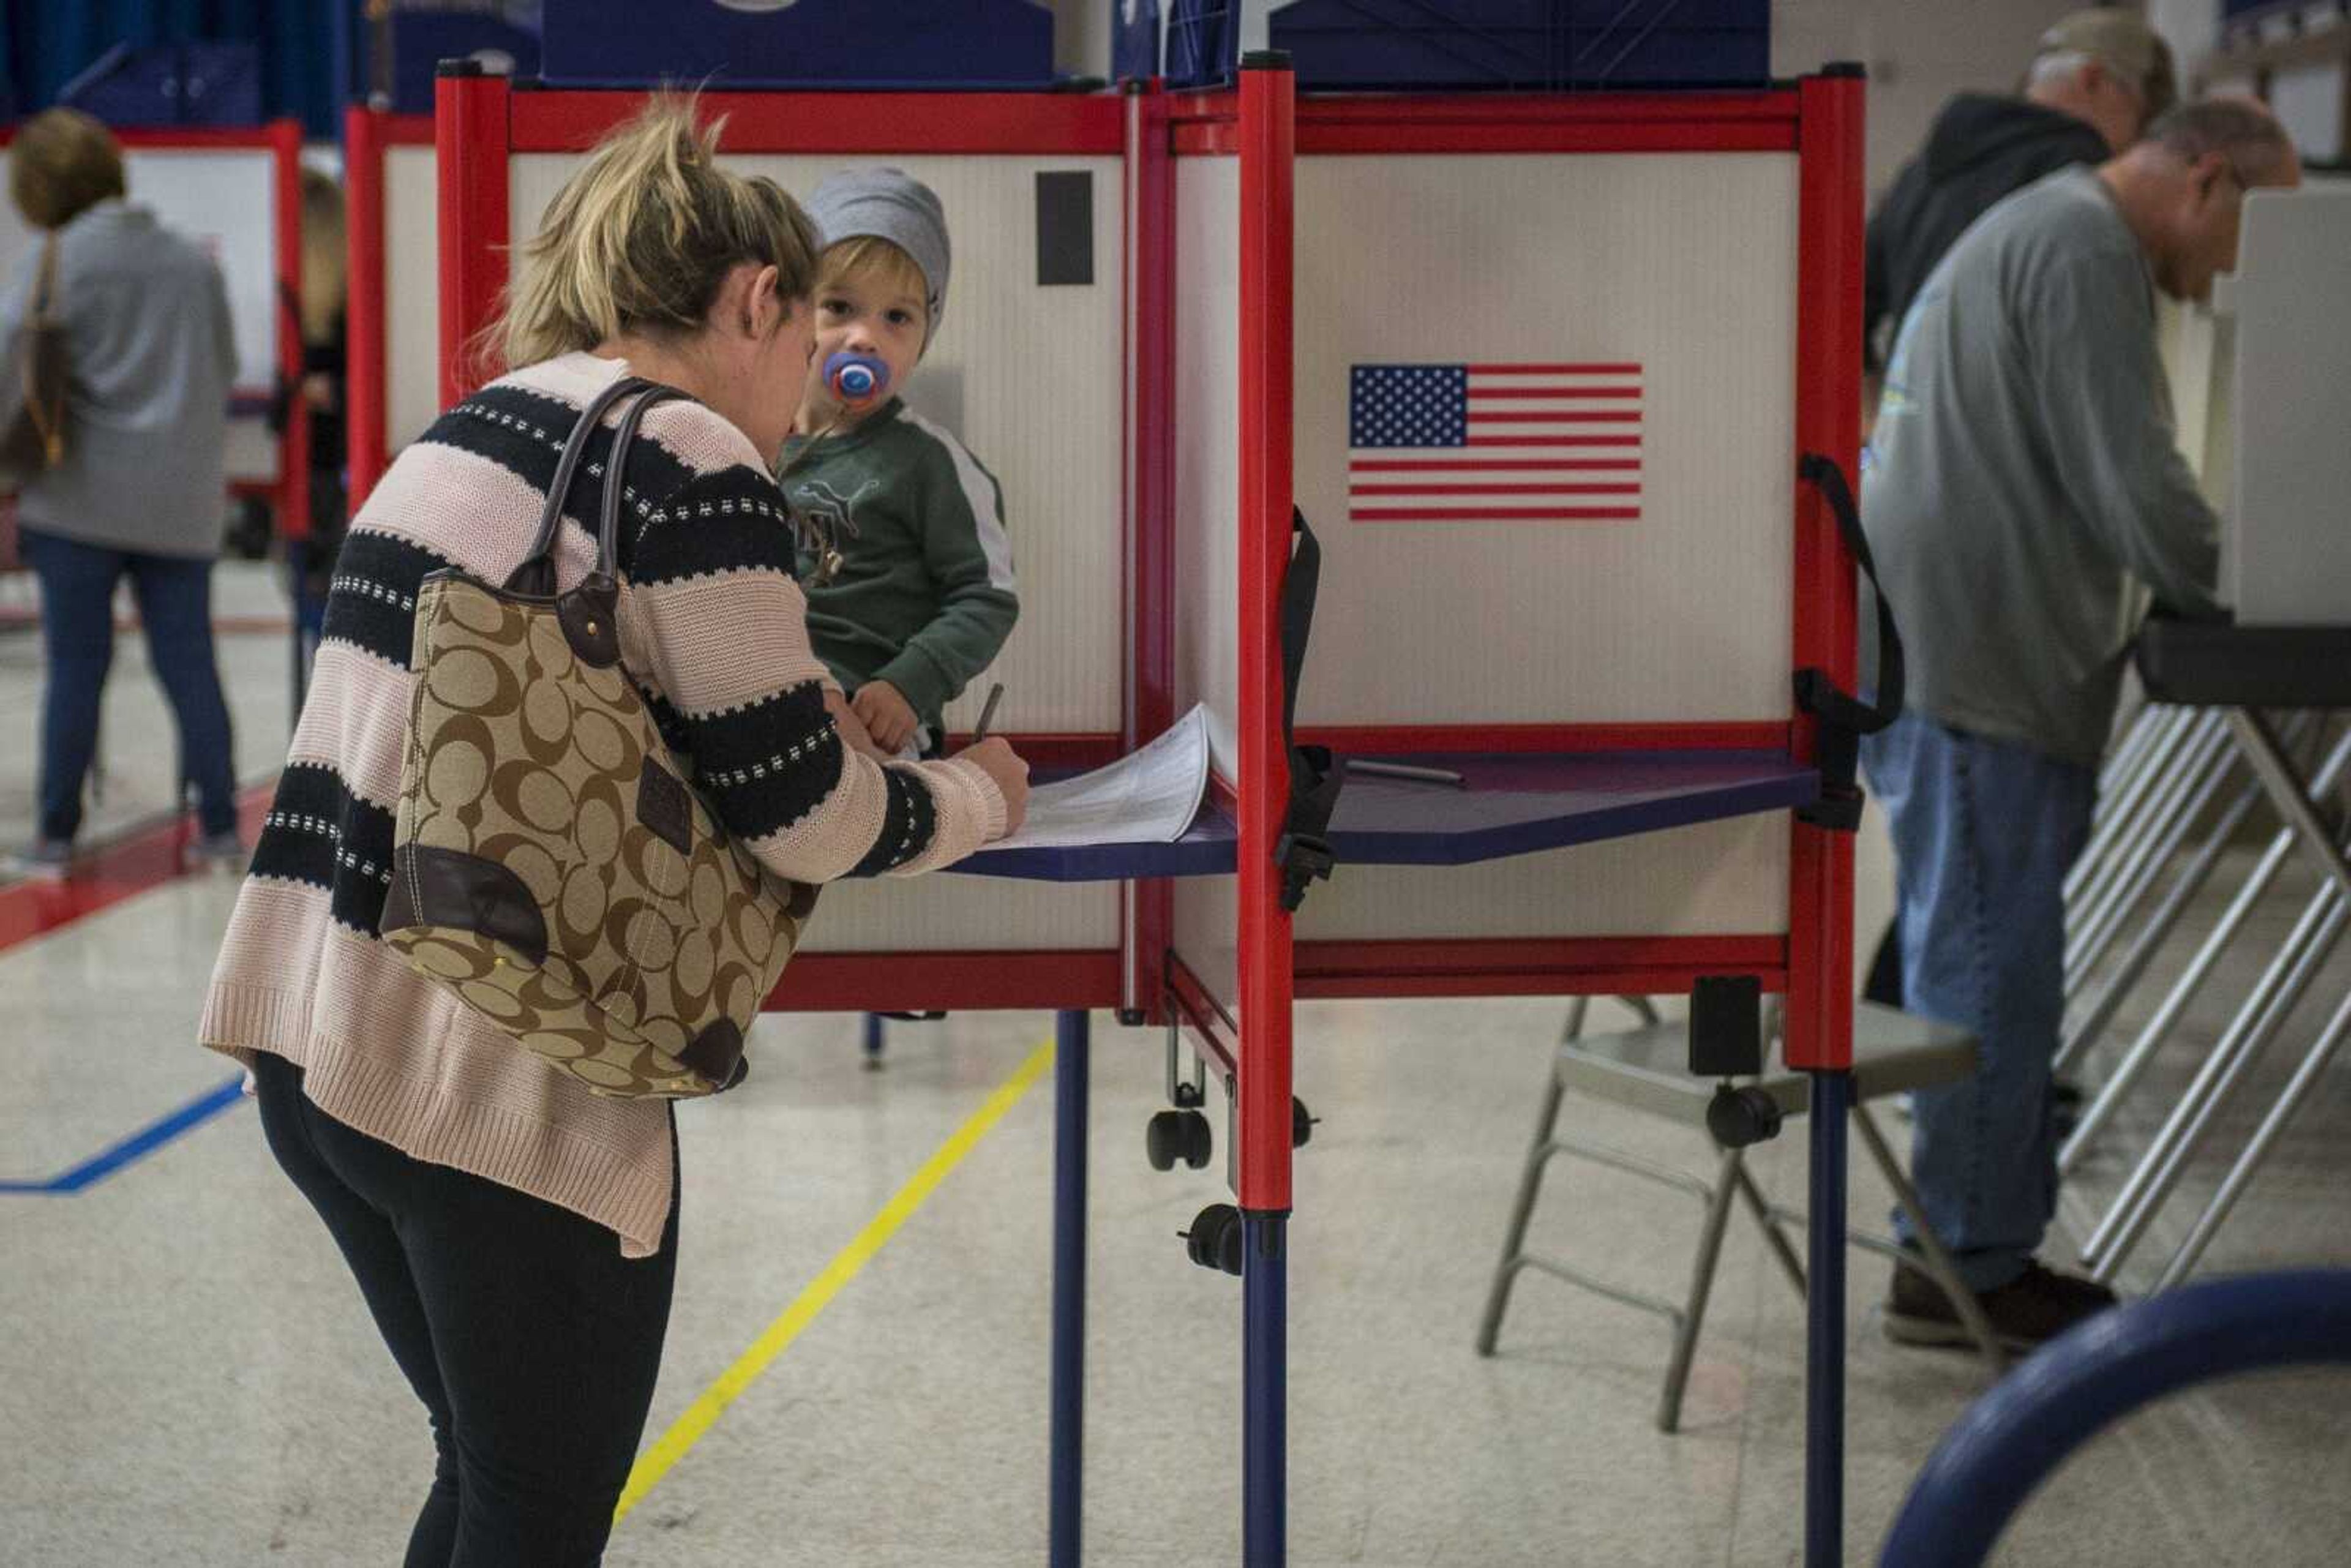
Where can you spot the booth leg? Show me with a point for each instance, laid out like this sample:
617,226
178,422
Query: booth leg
876,1040
1071,1049
1825,1326
1265,1381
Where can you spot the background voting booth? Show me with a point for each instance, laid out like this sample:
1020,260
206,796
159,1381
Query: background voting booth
2239,721
238,194
393,316
1539,372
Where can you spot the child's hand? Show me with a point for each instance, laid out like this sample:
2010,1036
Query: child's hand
852,728
886,715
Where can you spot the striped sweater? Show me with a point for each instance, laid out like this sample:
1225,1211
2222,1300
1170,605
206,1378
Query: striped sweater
713,628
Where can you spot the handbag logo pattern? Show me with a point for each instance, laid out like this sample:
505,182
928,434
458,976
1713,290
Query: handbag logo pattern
539,870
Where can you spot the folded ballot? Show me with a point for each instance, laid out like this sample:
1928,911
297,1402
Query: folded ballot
1147,797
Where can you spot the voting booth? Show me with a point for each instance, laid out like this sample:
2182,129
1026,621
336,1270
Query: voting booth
2239,729
238,194
392,319
1554,382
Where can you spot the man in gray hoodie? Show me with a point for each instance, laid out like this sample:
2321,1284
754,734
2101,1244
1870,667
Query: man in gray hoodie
2024,493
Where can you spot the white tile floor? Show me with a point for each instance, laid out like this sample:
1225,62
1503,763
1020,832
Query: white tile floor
187,1376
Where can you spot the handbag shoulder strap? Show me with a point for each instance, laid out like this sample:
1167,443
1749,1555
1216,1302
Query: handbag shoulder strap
608,523
537,572
45,288
1843,717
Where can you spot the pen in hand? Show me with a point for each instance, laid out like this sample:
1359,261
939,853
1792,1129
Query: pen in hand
988,712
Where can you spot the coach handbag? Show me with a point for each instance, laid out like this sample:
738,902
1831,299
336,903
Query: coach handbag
34,440
552,865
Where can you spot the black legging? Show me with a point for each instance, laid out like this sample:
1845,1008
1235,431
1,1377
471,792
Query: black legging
531,1341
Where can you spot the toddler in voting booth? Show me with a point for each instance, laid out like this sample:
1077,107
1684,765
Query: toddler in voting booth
903,552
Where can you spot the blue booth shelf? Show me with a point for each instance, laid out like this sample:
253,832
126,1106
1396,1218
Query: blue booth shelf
1507,805
872,43
1538,46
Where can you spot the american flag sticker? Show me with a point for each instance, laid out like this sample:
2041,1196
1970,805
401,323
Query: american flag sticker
1501,442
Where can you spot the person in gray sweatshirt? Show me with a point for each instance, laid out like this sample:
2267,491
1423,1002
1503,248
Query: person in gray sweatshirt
138,490
2024,496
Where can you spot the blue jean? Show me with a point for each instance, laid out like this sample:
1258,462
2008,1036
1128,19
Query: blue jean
1984,831
175,603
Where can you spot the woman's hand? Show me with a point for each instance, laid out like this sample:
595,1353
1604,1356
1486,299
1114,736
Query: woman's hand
996,759
888,717
852,728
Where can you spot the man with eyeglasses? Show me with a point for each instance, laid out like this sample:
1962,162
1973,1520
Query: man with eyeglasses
2024,496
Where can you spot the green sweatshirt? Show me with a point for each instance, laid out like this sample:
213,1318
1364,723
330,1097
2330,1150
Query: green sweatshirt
925,595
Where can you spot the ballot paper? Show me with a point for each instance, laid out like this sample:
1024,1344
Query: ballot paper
1148,796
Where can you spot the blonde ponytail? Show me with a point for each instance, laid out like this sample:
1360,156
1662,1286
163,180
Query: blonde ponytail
642,238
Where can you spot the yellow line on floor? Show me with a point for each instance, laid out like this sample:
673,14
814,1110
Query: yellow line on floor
687,1429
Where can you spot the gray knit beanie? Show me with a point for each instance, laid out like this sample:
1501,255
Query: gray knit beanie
892,205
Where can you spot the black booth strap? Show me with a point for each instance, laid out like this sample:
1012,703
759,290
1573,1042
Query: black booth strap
1304,849
1845,718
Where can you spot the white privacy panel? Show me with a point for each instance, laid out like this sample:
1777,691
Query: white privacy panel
411,294
1207,437
1727,878
2288,554
948,913
225,200
1031,378
1676,273
1206,523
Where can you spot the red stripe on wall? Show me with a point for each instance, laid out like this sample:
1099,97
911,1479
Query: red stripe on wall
1617,392
1517,441
1545,417
1554,370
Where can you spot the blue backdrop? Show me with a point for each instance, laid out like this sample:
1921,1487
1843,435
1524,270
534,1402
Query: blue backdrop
47,43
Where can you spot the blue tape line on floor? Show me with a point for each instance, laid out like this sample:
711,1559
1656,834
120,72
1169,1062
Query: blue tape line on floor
138,1144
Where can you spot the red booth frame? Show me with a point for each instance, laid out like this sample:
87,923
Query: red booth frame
367,134
480,122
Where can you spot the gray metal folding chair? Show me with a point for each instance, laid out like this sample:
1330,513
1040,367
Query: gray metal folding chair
1641,1068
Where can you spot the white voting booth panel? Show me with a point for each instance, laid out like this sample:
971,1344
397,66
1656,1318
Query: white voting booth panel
1207,431
1684,266
1680,271
1029,377
961,914
2288,554
411,294
225,200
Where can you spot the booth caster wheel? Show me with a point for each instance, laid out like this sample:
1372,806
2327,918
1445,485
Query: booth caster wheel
1215,1240
1173,1136
1741,1117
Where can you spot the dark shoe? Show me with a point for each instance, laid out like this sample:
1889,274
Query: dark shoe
2037,1305
45,860
2065,1101
220,851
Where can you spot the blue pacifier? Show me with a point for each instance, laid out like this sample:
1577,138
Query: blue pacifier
855,378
